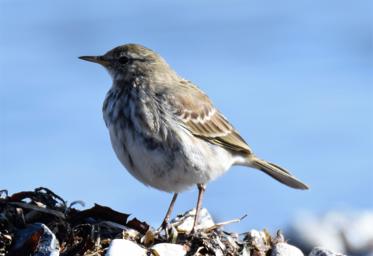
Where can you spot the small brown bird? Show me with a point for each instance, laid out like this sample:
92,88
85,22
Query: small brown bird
166,131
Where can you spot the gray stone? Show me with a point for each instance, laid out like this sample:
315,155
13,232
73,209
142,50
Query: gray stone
284,249
345,232
319,251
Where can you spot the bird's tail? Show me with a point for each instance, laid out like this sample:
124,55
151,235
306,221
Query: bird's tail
276,172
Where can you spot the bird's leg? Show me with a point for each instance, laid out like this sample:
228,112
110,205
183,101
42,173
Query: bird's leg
201,190
169,211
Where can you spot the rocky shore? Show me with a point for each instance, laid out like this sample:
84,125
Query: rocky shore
41,223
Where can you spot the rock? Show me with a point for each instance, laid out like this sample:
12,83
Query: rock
358,233
260,240
120,247
284,249
37,240
90,232
308,231
319,251
48,244
166,249
345,232
184,223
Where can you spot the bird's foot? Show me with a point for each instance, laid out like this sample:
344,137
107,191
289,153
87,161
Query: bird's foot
165,227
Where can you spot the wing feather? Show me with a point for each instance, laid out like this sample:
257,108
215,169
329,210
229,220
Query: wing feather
195,111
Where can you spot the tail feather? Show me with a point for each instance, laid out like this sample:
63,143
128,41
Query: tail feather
277,173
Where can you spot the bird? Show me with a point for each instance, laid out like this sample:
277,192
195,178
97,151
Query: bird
167,132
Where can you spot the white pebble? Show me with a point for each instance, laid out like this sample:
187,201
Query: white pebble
166,249
120,247
284,249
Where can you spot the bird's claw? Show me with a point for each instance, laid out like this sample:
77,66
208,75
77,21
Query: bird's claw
165,227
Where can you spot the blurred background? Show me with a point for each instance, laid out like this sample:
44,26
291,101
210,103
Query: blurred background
301,70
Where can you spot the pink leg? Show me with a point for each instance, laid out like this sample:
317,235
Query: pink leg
201,190
169,211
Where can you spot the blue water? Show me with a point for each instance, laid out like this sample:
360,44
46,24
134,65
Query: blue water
294,77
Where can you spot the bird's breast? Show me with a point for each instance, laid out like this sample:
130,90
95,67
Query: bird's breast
158,151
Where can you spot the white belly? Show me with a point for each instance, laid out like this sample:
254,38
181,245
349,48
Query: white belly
196,161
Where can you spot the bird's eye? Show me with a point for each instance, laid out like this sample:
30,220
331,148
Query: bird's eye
123,60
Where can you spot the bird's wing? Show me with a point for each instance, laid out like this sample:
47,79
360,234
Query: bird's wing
195,111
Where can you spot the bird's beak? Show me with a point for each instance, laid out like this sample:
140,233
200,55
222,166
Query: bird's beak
96,59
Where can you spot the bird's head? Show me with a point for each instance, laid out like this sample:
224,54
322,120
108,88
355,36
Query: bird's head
128,61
